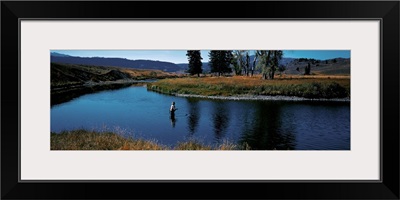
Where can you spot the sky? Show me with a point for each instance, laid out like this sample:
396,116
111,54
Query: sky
179,56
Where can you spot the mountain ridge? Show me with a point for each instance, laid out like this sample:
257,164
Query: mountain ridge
116,62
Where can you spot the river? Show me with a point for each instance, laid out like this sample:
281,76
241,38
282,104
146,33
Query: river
262,125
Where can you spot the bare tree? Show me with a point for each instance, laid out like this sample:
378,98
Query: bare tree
247,63
238,62
268,62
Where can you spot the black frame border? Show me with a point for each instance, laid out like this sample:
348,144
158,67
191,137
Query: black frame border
13,11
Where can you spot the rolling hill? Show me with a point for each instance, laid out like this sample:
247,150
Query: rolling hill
116,62
67,75
336,66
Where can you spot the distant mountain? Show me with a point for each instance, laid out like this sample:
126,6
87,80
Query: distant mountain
286,61
335,66
59,54
339,66
115,62
185,66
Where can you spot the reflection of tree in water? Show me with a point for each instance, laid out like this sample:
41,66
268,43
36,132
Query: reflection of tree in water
64,95
193,117
266,131
221,119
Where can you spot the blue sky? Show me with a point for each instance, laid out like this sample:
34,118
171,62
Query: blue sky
179,56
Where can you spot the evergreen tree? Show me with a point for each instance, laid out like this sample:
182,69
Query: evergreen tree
307,70
220,61
194,57
228,56
214,61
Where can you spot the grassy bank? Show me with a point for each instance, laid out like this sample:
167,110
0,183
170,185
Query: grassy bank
70,75
309,87
91,140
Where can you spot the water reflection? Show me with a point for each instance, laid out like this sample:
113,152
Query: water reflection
220,119
173,119
266,132
59,96
193,117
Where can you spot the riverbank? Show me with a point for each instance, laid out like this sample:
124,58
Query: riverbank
262,98
253,88
92,140
96,84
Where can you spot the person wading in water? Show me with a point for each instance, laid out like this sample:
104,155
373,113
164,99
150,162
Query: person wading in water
172,113
173,108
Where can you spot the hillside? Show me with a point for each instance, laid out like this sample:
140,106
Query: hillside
185,66
64,75
337,66
118,62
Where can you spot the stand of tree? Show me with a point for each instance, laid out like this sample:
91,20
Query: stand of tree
241,62
194,57
268,62
220,61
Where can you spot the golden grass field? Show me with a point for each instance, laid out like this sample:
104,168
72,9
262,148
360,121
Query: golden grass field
297,85
148,73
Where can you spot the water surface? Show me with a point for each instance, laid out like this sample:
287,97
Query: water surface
262,125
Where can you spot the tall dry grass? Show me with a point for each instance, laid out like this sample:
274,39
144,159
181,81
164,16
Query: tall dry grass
91,140
147,74
301,86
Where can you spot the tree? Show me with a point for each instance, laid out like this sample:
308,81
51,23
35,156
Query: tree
215,62
239,62
194,57
220,61
236,65
247,63
307,70
276,57
253,67
263,62
268,62
227,59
